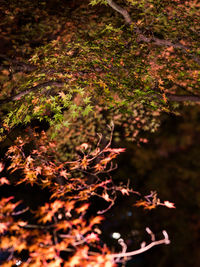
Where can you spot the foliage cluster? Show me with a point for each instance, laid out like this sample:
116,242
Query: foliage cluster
122,70
60,233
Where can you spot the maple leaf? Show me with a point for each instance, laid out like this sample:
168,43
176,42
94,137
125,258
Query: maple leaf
64,225
92,237
169,204
106,160
124,191
64,174
3,227
36,109
20,246
141,203
56,205
68,207
62,94
5,200
55,263
4,180
83,208
29,160
74,261
164,97
84,163
150,207
38,170
99,167
96,220
47,217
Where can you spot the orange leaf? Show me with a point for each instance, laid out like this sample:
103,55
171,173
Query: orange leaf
84,163
164,98
83,208
96,220
141,203
98,167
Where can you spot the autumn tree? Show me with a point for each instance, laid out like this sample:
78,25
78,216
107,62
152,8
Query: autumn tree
81,71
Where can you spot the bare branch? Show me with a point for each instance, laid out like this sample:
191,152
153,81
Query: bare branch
143,248
20,212
17,65
151,234
182,98
178,98
108,208
124,248
121,10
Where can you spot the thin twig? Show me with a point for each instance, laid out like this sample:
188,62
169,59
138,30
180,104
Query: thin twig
19,212
144,248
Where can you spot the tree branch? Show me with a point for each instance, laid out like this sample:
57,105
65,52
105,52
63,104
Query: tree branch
120,10
31,89
17,65
143,38
144,247
182,98
161,42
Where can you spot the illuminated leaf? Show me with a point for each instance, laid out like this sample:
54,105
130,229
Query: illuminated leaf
3,227
83,208
84,163
64,174
96,220
169,204
4,180
1,166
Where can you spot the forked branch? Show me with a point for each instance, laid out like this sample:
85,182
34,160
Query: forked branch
142,38
144,247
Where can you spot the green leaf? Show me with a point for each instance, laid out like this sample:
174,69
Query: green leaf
58,117
86,100
66,124
88,109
